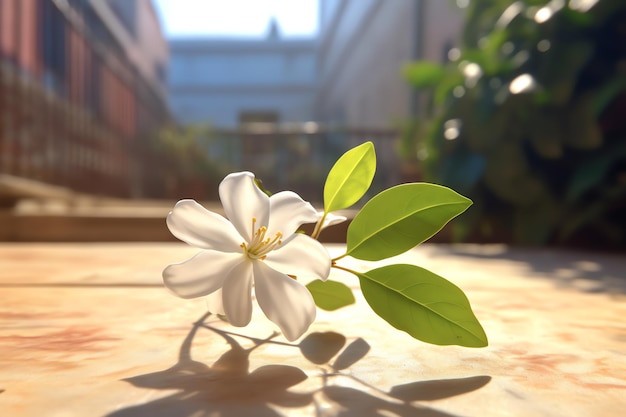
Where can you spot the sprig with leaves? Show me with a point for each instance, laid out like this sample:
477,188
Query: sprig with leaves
410,298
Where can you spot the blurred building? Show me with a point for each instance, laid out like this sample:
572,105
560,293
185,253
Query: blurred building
350,75
362,47
82,91
346,86
229,82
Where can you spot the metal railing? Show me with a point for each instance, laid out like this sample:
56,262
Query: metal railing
299,156
74,111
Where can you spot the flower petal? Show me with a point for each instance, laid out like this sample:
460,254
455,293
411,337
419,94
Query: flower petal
283,300
202,274
237,294
288,211
242,201
197,226
214,303
301,256
331,219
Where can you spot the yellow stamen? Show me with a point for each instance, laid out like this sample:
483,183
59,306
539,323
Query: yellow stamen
259,246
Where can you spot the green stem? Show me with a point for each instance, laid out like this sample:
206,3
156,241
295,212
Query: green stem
318,226
344,269
339,257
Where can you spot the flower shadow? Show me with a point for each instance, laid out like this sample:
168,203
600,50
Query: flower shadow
225,388
228,388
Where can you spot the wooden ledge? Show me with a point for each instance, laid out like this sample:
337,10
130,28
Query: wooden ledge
13,189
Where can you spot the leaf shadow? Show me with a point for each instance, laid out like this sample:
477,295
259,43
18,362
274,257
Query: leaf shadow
438,389
226,388
351,355
229,388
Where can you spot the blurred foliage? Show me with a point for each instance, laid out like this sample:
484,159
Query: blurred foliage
190,171
528,118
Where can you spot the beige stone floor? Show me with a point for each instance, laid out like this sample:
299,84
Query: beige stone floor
89,330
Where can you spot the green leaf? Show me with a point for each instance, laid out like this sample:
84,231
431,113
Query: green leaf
350,177
445,87
330,295
606,94
586,176
424,73
401,218
590,174
423,304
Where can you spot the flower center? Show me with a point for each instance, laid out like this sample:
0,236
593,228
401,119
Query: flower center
260,246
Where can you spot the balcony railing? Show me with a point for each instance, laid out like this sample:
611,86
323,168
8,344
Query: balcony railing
70,150
299,156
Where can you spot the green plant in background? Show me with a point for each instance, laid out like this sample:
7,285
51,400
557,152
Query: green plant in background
529,120
188,158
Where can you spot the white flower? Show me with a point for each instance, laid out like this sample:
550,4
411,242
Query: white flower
331,219
325,220
257,247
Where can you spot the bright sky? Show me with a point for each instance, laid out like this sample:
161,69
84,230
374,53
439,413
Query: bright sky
241,18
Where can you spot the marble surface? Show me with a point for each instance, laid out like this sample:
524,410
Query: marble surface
89,330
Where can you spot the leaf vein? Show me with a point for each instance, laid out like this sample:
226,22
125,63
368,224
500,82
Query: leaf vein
383,284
